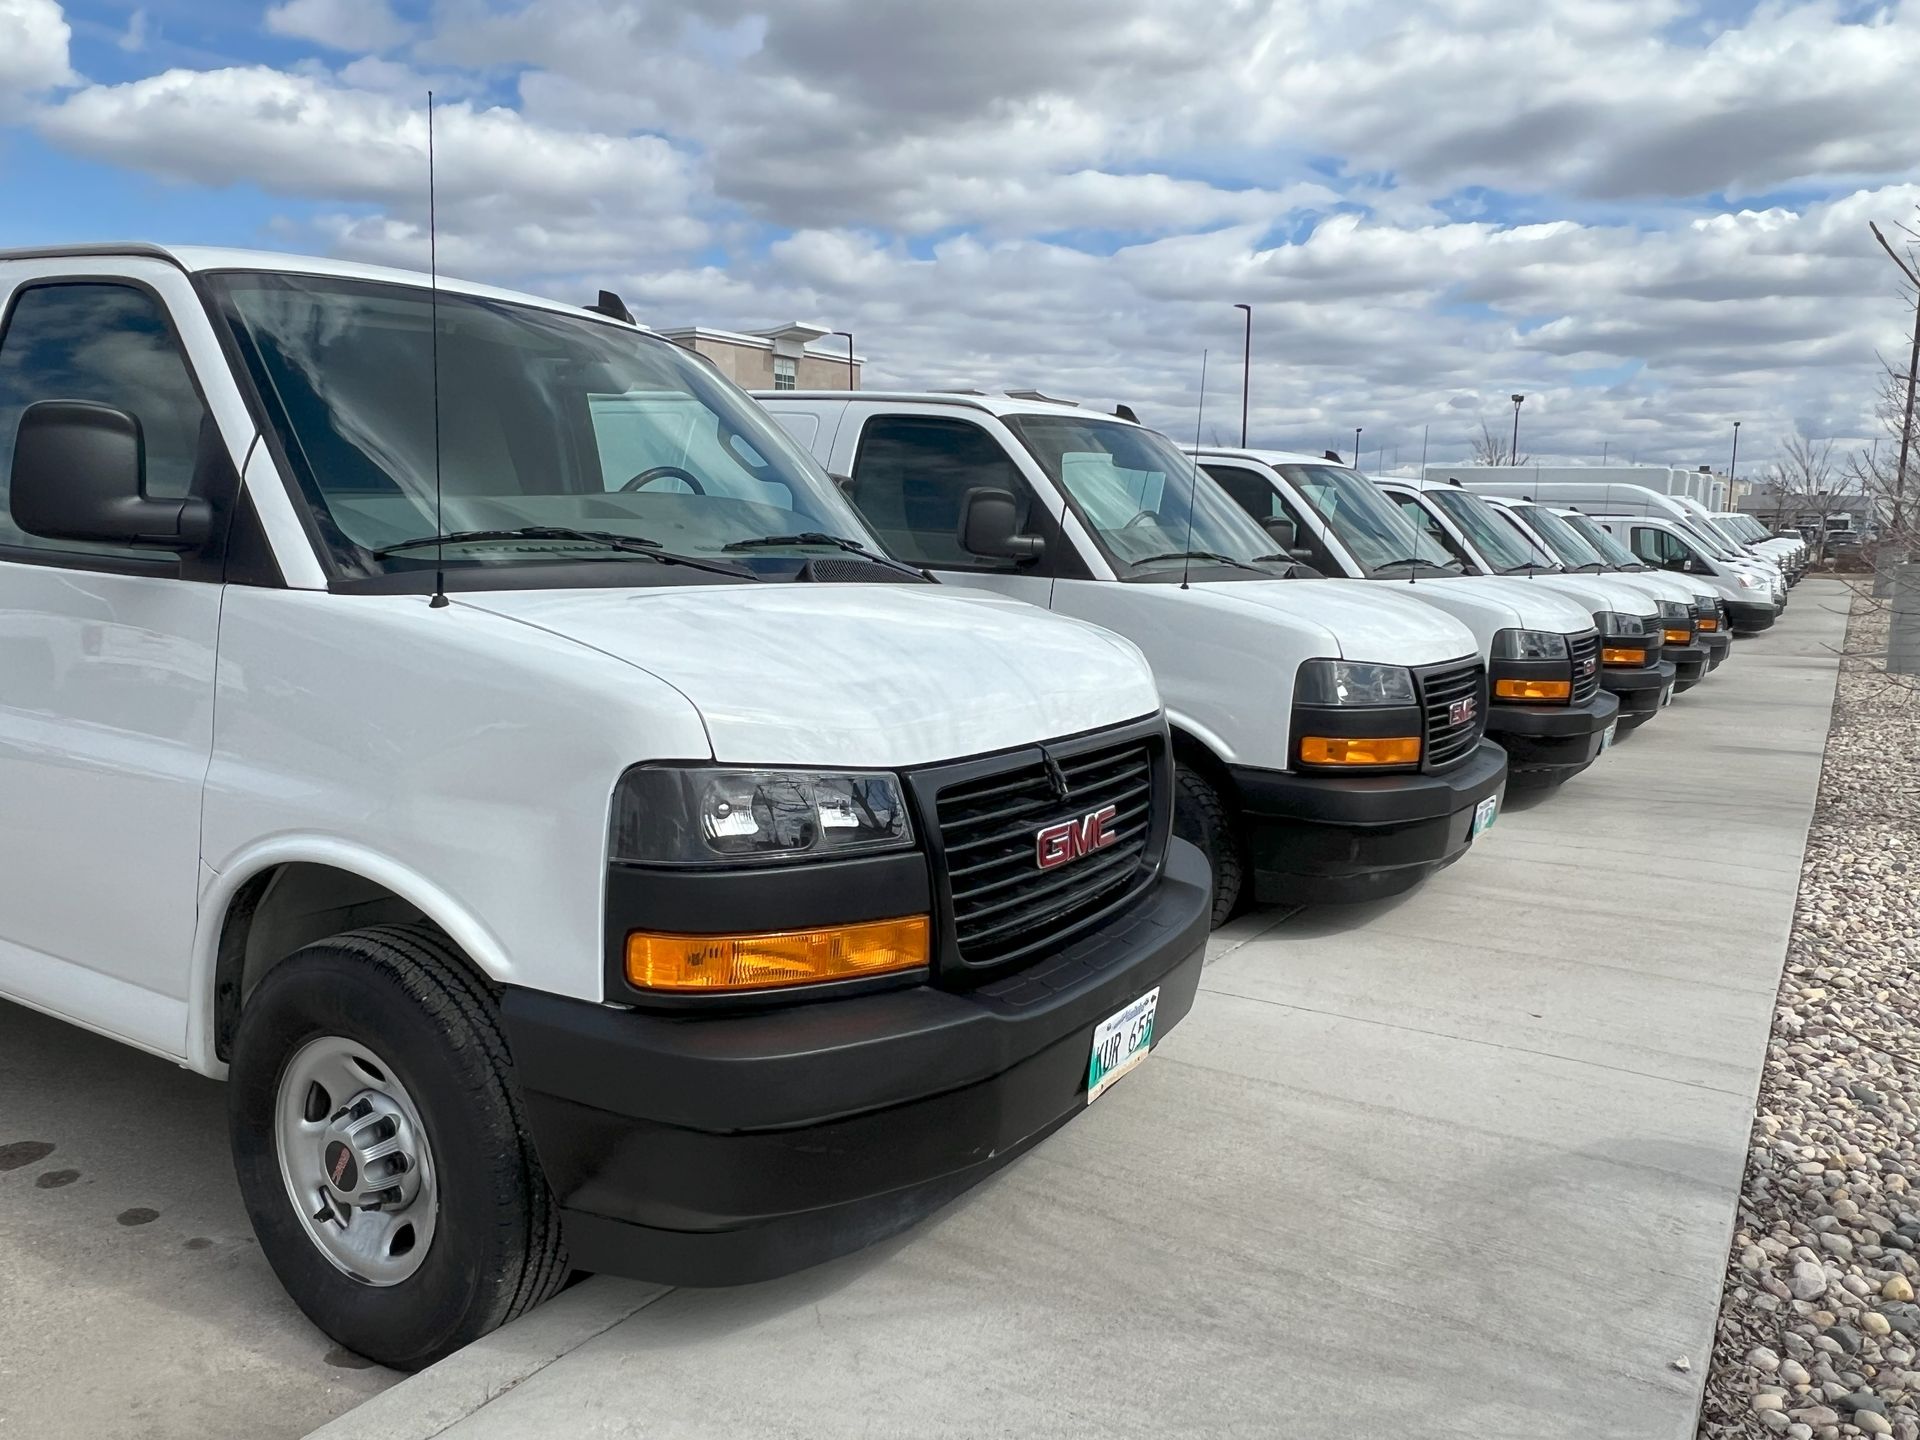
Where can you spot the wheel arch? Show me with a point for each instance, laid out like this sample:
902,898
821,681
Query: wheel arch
289,893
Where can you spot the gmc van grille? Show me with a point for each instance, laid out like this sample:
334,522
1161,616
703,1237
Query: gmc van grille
1584,651
1448,740
1001,903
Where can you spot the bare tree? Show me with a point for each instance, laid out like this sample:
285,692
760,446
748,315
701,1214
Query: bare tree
1798,489
1874,472
1493,449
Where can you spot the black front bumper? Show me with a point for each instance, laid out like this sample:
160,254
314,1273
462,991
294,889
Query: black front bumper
1338,839
1749,616
1690,663
1552,742
1641,689
1719,646
720,1149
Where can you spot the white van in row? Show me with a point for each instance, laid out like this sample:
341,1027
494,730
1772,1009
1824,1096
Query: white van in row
1556,705
469,726
1755,589
1329,736
1523,541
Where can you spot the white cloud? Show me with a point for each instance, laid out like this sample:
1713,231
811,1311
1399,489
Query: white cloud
346,25
498,175
33,52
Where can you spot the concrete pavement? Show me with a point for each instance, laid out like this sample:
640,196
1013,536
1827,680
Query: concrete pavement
1460,1164
133,1298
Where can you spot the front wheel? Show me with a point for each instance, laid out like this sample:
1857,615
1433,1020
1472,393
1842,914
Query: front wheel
381,1151
1202,817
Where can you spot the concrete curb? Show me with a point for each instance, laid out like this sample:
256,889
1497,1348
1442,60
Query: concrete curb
441,1396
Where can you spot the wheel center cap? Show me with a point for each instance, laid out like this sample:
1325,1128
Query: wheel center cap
342,1173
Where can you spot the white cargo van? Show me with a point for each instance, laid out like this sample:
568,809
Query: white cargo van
1789,551
1498,537
1667,545
1329,738
1712,628
467,725
1750,582
1344,524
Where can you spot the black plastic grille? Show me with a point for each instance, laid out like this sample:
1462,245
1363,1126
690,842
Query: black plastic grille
1585,653
1449,740
1002,901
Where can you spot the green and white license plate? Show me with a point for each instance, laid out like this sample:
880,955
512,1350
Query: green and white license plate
1484,814
1121,1042
1606,736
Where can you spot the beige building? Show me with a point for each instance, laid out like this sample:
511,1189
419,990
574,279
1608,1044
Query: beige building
788,357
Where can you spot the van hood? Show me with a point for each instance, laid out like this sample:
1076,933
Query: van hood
1606,592
1355,619
1500,602
855,675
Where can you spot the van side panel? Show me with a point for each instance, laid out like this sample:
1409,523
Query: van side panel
462,759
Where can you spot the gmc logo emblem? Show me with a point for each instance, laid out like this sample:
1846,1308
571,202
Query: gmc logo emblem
1072,839
1586,665
1461,711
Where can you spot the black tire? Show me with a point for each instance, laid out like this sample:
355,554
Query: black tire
1202,817
404,993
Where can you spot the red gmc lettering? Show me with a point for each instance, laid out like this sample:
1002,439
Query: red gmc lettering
1071,839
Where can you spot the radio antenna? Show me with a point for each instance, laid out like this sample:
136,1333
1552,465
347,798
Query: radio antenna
439,599
1193,488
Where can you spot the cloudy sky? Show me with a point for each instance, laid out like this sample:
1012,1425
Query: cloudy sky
1648,215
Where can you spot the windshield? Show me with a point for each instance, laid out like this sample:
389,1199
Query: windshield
545,421
1559,537
1609,549
1371,526
1503,549
1132,487
1703,536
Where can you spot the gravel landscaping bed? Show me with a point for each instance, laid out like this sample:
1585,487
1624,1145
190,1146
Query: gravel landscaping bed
1819,1332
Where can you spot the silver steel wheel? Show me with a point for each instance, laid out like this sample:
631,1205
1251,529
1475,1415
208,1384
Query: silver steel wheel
356,1162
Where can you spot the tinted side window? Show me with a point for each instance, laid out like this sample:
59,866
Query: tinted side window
109,344
1424,521
1252,493
910,476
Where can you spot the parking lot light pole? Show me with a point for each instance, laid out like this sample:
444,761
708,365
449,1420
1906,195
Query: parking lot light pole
1733,465
1356,446
1513,455
1246,373
852,384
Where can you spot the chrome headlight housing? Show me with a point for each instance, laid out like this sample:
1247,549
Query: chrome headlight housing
713,815
1618,625
1529,645
1348,682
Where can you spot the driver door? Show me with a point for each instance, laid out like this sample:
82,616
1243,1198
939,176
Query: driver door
909,478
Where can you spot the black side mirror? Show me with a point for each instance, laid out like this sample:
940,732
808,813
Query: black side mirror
843,483
1282,530
990,525
79,473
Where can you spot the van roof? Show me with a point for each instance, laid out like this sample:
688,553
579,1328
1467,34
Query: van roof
994,402
1265,457
202,259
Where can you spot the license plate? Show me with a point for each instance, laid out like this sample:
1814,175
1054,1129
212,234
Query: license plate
1484,815
1606,736
1666,695
1121,1042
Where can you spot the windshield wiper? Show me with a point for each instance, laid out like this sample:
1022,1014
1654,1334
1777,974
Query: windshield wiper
820,537
1531,568
630,544
1212,555
1416,560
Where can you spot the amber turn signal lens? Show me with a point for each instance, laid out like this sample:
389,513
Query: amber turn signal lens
1624,657
712,964
1533,689
1398,750
1679,637
1710,624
